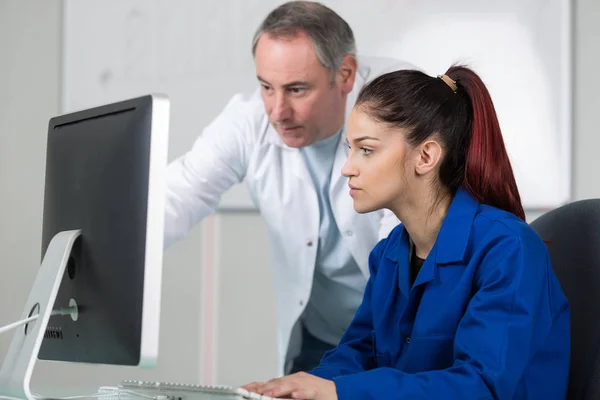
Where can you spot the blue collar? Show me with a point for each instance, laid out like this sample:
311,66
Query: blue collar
450,245
453,238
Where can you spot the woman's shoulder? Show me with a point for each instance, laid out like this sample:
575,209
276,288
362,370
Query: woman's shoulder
494,225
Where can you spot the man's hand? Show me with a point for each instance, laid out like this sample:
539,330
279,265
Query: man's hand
297,386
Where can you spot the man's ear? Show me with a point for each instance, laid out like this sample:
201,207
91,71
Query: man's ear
428,157
347,73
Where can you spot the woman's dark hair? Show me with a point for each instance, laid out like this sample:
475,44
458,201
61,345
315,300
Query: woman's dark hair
465,121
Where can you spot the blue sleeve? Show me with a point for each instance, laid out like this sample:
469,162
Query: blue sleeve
354,352
511,314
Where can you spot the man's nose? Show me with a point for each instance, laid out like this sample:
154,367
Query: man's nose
281,110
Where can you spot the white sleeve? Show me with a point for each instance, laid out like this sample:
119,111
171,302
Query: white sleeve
388,222
217,160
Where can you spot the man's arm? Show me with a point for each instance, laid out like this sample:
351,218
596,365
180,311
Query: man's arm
218,159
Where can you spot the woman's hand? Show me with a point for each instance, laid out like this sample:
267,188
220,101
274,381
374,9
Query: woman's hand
297,386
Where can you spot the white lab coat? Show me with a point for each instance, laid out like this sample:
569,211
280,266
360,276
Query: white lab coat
241,145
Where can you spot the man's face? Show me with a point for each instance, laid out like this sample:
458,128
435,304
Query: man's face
302,104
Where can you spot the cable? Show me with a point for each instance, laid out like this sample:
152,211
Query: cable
60,311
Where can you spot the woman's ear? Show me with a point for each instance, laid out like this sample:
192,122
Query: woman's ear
428,157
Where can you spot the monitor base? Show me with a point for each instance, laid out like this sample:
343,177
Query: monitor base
15,375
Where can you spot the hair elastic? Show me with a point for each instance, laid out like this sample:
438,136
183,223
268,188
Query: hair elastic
449,81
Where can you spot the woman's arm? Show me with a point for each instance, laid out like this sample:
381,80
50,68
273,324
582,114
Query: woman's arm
355,351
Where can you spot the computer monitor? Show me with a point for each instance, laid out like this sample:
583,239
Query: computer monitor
102,242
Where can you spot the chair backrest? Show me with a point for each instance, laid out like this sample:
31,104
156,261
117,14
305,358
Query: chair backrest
572,233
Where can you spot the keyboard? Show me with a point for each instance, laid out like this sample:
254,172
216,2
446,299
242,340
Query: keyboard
181,391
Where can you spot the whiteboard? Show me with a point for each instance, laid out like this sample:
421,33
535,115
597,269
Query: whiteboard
198,52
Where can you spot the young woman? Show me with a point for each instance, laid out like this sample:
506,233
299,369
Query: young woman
462,302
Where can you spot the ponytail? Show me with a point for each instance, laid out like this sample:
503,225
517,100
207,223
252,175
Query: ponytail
488,174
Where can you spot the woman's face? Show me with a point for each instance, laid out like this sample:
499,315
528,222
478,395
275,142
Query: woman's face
379,165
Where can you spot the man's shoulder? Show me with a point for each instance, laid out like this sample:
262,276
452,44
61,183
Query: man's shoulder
246,104
370,67
246,111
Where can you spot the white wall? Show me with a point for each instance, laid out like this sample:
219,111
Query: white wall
586,142
29,95
117,50
30,56
246,345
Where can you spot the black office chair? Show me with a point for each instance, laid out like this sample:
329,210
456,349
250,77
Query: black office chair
573,235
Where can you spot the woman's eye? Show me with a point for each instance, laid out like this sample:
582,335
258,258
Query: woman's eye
366,151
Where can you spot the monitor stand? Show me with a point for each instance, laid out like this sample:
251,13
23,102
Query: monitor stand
15,375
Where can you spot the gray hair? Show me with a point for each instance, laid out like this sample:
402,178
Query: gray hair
331,36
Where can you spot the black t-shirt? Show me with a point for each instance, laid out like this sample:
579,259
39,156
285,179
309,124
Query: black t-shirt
415,266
